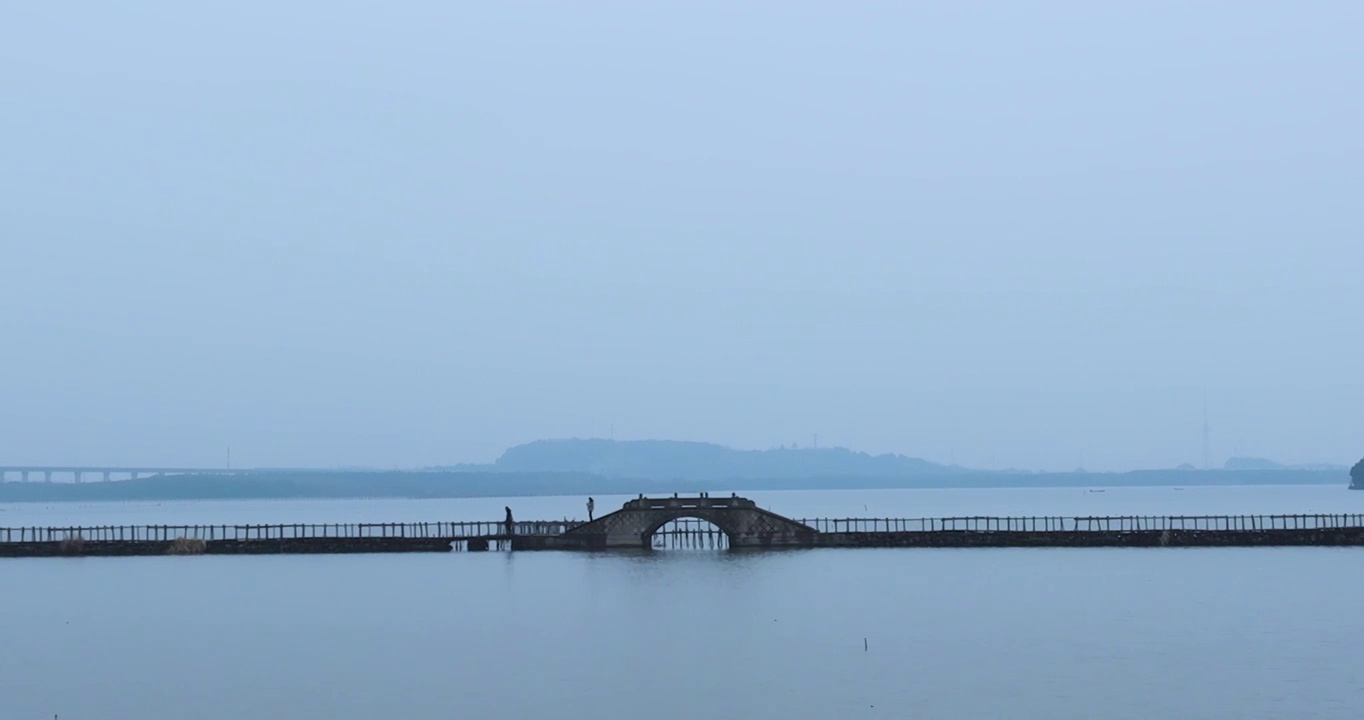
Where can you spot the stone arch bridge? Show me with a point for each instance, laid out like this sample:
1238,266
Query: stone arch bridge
740,519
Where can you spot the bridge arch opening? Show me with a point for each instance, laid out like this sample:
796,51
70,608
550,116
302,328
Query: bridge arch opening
687,533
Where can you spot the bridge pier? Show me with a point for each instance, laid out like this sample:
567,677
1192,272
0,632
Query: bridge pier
106,475
47,476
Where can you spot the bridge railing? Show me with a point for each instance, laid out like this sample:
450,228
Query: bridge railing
1123,523
154,533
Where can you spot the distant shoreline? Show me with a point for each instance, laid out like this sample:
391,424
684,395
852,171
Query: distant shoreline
315,485
611,467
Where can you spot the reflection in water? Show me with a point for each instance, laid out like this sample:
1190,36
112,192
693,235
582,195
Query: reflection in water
689,534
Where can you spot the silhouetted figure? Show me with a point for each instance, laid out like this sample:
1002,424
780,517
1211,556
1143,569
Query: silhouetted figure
590,507
509,521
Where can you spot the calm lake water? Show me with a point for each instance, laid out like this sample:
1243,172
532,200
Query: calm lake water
981,633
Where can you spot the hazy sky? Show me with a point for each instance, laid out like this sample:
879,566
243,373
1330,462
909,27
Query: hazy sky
410,233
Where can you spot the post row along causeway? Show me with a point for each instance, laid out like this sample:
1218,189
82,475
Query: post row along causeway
732,523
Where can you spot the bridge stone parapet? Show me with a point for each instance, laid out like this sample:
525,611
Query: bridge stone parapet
740,519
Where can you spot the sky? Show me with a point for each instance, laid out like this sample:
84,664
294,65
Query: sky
1011,235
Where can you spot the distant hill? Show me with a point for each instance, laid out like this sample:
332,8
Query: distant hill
671,460
1246,463
1242,463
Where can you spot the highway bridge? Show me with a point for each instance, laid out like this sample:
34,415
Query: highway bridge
78,473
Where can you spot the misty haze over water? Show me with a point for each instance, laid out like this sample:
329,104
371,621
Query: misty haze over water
1033,236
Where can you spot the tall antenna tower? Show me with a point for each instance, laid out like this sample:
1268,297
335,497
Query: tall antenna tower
1207,434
